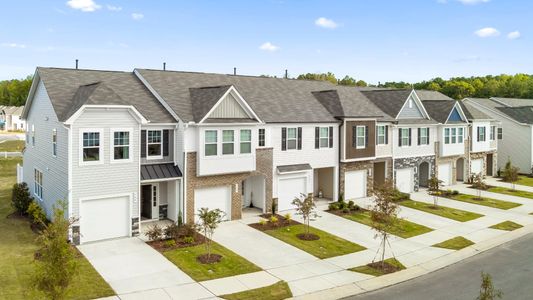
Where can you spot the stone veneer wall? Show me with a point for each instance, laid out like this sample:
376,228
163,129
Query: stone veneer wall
483,155
263,166
414,162
453,160
353,166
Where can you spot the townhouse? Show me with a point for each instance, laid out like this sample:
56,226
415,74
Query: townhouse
10,119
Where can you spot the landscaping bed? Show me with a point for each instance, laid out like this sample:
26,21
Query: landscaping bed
485,201
443,211
507,225
277,291
390,265
455,243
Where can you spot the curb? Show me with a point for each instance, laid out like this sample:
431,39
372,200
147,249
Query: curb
376,283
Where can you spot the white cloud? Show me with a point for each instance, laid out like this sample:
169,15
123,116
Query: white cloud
14,45
84,5
137,16
487,32
473,2
268,46
514,35
326,23
113,8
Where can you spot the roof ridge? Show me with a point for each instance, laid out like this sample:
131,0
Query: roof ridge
85,70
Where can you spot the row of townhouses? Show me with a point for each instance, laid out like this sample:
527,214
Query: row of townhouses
123,148
10,119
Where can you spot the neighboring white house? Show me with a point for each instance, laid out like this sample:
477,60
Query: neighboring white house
10,119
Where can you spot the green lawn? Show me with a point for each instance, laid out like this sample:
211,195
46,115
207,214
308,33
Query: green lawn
230,265
11,146
524,180
484,201
277,291
18,246
327,246
403,228
375,272
455,243
511,192
443,211
507,225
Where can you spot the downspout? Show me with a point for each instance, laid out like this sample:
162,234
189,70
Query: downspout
392,155
341,155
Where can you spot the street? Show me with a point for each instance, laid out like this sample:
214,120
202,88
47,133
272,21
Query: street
511,267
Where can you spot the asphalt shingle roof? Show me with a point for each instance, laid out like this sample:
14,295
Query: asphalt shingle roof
68,88
432,95
513,101
389,101
203,99
522,114
439,110
473,113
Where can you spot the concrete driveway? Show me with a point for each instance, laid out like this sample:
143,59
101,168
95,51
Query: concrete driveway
129,265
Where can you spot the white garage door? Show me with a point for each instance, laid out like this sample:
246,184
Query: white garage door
355,184
445,173
213,198
288,189
477,166
102,219
404,180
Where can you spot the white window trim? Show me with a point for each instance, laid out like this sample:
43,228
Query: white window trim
40,184
321,138
384,135
404,137
32,138
215,143
112,145
426,129
295,139
151,157
492,134
462,135
259,137
357,136
100,148
232,142
54,143
249,142
449,135
484,129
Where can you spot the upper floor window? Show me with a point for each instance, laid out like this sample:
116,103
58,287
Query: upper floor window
292,138
54,142
423,136
500,133
33,135
154,143
481,134
404,137
324,137
38,184
91,146
454,135
360,137
261,137
228,139
381,135
210,142
27,136
446,135
246,141
121,145
492,133
460,135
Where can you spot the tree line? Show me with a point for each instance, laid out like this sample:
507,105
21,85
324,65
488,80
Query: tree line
15,91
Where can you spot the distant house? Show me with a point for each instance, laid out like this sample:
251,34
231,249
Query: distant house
10,118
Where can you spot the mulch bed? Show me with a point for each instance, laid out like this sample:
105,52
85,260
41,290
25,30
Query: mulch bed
209,259
307,237
385,267
282,222
340,212
162,245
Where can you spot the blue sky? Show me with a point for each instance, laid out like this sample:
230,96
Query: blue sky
378,40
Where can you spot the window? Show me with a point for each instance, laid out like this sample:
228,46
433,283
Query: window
492,133
38,184
382,135
460,135
246,141
154,143
33,135
404,137
410,103
210,142
261,137
292,138
360,137
54,142
481,134
91,146
121,145
27,136
424,136
500,133
454,135
154,195
227,142
324,137
446,135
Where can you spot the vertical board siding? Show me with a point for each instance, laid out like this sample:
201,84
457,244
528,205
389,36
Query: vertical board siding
229,108
410,112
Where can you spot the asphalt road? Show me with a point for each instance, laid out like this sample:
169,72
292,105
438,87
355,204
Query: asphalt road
511,267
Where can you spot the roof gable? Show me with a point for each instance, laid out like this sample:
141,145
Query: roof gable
412,108
455,116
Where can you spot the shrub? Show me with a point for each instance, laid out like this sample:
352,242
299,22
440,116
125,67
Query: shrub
346,210
273,219
36,213
154,232
341,197
356,207
170,243
188,230
333,206
342,205
188,240
287,217
172,231
274,206
20,199
262,222
180,219
455,192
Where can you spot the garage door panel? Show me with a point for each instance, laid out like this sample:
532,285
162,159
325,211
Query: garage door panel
213,198
445,173
477,166
404,180
355,184
288,189
102,219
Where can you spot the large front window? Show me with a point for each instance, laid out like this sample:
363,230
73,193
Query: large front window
228,142
382,132
210,143
91,146
324,137
38,183
121,145
360,137
292,138
246,141
154,143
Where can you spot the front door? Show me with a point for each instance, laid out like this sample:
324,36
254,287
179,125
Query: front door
146,201
489,164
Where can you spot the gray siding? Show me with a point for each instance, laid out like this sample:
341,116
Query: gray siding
229,108
54,169
410,112
105,179
180,146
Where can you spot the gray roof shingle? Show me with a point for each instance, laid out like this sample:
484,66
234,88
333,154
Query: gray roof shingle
432,95
439,110
522,114
203,99
389,101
